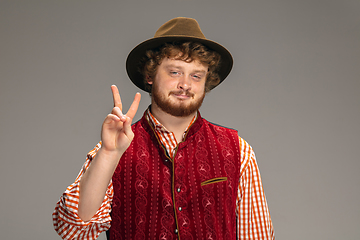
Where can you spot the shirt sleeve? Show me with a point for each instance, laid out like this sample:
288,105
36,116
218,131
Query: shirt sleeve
254,221
65,217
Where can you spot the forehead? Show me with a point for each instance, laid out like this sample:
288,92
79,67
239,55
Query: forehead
182,64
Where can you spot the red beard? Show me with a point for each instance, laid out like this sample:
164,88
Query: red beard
180,109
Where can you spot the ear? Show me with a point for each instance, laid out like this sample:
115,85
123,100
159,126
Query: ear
149,80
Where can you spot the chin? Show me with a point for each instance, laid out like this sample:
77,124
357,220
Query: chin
179,109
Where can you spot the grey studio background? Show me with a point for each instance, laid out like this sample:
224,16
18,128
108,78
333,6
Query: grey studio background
293,95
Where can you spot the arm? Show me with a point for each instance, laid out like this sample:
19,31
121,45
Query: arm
85,215
65,217
254,220
116,136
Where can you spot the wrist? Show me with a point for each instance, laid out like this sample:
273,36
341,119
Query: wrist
111,156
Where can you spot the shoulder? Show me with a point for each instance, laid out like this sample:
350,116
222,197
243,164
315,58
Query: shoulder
218,126
141,123
247,155
222,133
245,147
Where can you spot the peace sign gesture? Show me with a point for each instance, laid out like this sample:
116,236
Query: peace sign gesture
116,133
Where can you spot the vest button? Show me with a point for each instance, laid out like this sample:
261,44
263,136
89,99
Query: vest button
176,231
180,208
178,190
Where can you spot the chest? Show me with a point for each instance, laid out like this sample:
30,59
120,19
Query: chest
163,196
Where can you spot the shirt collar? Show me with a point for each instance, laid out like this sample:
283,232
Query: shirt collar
161,128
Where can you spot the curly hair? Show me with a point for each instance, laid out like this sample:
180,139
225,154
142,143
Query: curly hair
186,51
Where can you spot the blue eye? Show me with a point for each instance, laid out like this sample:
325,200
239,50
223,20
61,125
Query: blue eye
197,77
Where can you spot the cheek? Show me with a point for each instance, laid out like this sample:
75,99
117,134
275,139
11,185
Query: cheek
199,87
165,84
170,84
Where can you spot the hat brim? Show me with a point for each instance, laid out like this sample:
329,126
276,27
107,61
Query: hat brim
134,57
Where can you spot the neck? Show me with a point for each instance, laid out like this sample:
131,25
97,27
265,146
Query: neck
175,124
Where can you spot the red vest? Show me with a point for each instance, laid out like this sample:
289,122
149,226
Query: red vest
192,196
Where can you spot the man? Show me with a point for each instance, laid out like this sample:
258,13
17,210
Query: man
171,175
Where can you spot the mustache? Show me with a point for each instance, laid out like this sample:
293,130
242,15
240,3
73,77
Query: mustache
182,92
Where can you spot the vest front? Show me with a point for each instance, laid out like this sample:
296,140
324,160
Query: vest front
192,196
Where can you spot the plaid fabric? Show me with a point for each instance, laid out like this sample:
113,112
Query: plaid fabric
166,137
254,220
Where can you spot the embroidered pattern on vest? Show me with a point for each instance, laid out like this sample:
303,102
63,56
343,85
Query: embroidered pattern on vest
194,193
167,207
230,170
208,199
117,201
141,185
181,203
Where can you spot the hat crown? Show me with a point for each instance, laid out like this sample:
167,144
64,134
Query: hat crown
180,26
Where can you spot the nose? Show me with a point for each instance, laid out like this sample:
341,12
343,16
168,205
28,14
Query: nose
184,83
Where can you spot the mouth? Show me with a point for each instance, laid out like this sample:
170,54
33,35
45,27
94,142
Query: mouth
182,94
183,97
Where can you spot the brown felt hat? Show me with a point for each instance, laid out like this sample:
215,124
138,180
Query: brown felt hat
176,30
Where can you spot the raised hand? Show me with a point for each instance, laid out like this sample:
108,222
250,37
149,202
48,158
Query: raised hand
116,136
116,133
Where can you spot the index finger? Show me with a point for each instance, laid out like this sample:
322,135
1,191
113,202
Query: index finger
116,97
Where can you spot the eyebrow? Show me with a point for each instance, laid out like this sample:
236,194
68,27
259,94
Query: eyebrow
173,66
179,67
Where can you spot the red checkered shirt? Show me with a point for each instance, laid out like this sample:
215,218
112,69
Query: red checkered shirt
254,220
